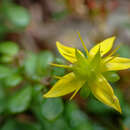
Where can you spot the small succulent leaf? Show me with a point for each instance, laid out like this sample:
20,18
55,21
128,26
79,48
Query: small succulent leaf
66,85
52,108
67,52
105,46
20,101
111,76
118,63
102,90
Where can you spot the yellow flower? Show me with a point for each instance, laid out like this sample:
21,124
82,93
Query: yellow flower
88,70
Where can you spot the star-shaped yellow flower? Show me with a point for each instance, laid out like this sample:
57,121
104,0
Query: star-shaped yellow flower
88,70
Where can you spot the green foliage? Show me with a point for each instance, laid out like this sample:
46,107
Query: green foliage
77,119
124,51
20,101
16,17
111,76
37,65
52,108
13,18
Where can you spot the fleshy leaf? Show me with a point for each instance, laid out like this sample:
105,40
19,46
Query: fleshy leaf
105,46
65,85
67,52
102,90
118,63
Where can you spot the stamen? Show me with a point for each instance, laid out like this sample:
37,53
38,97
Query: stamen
62,66
74,93
85,48
114,51
57,77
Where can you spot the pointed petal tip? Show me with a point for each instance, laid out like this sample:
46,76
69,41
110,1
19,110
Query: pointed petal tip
114,37
47,95
57,42
118,108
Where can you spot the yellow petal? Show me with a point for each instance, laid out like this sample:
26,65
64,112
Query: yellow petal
65,85
67,52
118,63
102,90
104,46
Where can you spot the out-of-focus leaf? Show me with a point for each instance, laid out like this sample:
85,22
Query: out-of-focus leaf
60,15
126,110
3,30
37,89
127,123
20,101
44,60
52,108
111,76
10,125
2,99
99,109
84,126
124,51
58,71
13,80
5,71
85,91
59,124
76,117
16,17
98,127
9,48
119,94
6,59
29,126
30,64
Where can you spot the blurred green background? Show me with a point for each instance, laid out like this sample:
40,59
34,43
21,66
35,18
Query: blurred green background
29,30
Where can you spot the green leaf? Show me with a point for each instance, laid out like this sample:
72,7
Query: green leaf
44,60
59,124
111,76
58,71
6,59
10,125
30,64
15,16
9,48
37,94
2,99
124,51
5,71
85,91
29,126
60,15
13,80
52,108
20,101
75,116
127,123
100,108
